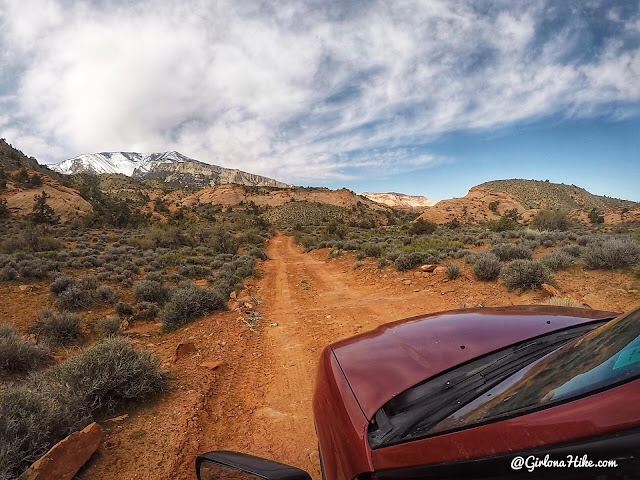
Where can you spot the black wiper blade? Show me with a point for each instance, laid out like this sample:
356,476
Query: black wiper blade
420,408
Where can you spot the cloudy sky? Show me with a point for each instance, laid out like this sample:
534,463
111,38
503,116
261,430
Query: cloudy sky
427,97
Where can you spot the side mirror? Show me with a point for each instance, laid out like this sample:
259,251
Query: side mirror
223,465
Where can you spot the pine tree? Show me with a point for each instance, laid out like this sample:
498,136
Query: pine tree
42,211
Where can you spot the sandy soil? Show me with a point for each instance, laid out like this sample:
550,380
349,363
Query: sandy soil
259,400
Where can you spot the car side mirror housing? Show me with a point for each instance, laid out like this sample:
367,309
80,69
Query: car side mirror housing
224,465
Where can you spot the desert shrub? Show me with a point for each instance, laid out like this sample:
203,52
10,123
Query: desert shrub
612,253
189,303
57,329
486,266
231,274
573,250
548,219
422,227
557,260
74,298
151,291
407,261
8,273
563,302
52,404
453,271
382,262
525,275
585,240
146,311
108,326
502,225
17,355
38,268
507,251
123,309
105,294
372,250
60,284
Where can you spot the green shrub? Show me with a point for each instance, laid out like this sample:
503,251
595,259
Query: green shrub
612,253
422,227
548,219
74,298
502,225
507,251
189,303
105,294
486,266
57,329
17,355
525,275
453,271
408,261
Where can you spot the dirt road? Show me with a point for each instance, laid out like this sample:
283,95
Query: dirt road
259,402
307,304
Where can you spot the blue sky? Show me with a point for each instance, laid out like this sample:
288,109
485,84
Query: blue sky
418,97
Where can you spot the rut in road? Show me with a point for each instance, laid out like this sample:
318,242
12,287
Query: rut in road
264,406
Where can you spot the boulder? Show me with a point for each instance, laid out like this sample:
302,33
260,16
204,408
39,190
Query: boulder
428,268
213,365
439,269
184,349
550,289
66,457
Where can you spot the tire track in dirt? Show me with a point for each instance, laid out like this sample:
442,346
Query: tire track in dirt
264,406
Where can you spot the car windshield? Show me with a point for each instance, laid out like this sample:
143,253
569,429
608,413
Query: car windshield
604,357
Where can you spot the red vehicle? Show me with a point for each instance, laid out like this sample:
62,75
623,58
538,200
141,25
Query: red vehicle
516,392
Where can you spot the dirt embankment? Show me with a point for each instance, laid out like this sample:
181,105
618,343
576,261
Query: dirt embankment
259,401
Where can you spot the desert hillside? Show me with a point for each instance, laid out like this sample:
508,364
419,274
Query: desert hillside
525,198
399,200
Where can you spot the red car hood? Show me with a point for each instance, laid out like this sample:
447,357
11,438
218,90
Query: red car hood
386,361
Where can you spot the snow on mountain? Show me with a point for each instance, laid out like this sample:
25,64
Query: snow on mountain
170,167
117,162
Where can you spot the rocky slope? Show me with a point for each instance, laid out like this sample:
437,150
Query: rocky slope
542,194
399,200
490,200
169,167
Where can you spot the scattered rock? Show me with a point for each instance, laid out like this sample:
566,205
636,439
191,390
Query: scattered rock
184,349
550,289
119,419
214,365
273,324
23,288
233,295
407,282
439,269
67,456
428,268
595,302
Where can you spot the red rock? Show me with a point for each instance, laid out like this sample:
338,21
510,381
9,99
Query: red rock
212,365
439,270
66,457
550,289
184,349
428,268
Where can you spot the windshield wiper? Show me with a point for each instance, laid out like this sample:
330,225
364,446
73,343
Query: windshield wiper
418,409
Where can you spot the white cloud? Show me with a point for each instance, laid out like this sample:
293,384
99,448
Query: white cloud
293,90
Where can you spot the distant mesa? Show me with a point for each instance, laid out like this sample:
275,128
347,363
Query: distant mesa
399,200
169,167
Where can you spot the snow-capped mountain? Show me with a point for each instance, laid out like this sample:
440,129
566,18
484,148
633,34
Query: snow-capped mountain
172,167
